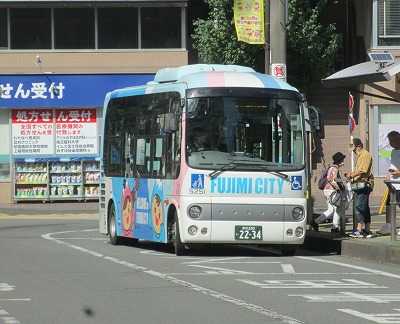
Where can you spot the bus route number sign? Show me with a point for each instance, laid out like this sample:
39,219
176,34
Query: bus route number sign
248,233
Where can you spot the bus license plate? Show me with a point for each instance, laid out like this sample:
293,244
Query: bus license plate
248,233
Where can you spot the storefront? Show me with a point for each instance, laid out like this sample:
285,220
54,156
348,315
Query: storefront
377,86
50,130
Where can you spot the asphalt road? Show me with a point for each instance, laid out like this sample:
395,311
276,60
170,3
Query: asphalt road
63,271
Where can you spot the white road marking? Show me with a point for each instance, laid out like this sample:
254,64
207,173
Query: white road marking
246,262
6,318
348,297
374,271
287,268
6,287
153,253
10,320
221,270
310,284
84,238
15,299
273,273
205,291
393,318
214,260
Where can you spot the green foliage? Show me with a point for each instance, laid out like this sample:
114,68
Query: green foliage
215,38
311,47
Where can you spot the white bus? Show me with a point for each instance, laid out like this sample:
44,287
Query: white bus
205,154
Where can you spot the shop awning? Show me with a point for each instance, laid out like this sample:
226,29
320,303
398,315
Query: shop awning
363,73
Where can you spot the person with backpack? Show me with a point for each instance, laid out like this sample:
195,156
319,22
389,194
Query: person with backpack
333,187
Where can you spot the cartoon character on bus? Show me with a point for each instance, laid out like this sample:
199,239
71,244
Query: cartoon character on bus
157,210
157,213
128,207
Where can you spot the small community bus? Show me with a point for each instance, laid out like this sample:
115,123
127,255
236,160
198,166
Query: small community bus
205,154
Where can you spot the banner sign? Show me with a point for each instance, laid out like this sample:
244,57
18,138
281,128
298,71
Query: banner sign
249,21
63,91
32,132
351,102
42,132
76,131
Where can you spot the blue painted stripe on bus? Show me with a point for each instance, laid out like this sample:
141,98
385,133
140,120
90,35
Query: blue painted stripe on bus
128,92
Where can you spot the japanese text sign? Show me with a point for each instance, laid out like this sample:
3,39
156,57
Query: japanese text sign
76,131
48,131
62,90
249,21
32,132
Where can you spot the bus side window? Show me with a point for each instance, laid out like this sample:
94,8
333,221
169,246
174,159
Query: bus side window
113,154
128,156
159,158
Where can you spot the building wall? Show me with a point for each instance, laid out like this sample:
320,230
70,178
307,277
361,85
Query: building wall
143,61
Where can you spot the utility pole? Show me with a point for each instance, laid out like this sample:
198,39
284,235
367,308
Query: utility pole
267,45
276,16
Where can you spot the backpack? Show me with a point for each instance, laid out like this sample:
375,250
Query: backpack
323,179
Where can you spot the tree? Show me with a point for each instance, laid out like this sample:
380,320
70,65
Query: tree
215,38
311,46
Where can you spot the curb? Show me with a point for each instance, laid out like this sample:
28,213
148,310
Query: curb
379,250
372,251
65,216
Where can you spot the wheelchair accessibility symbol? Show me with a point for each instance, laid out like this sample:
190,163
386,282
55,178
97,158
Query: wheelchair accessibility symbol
296,182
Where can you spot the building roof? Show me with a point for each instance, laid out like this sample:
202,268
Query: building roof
363,73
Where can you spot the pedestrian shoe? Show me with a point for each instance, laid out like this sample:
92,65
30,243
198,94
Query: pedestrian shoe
356,234
366,234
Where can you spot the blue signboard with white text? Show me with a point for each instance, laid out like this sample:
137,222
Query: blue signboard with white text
63,90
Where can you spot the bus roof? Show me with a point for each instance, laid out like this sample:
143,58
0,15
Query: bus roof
208,76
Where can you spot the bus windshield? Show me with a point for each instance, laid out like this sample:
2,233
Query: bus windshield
245,132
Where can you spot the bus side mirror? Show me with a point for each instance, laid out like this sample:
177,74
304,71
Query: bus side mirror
307,118
316,121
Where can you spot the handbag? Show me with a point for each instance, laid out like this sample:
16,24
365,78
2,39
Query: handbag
336,198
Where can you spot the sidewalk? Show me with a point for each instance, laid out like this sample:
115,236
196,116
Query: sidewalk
50,208
379,248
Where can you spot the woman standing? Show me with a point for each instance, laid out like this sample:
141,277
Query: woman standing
334,184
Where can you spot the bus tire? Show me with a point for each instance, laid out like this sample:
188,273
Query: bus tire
179,247
288,250
112,227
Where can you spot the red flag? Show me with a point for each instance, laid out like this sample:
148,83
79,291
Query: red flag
352,123
351,102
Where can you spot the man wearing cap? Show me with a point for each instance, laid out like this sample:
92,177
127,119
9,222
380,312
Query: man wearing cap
362,184
334,184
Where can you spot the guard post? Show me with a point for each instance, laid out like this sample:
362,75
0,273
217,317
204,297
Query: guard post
393,187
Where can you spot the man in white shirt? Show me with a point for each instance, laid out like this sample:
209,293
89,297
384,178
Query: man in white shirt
394,173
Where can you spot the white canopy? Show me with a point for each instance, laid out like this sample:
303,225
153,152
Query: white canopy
363,73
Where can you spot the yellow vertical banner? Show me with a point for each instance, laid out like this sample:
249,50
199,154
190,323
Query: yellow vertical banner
249,20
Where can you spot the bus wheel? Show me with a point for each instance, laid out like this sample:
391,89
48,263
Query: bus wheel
179,247
288,250
112,228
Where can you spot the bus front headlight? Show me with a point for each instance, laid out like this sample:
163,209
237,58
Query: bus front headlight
195,211
297,213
